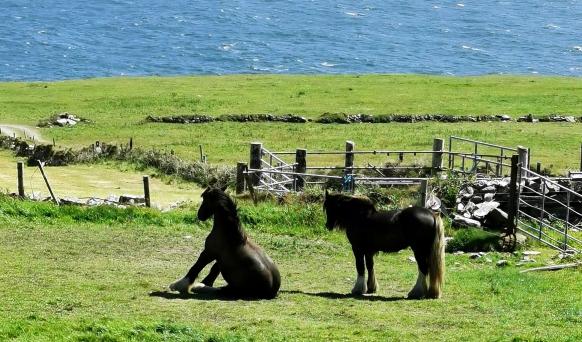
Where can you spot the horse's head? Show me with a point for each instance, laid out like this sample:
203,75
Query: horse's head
341,209
211,198
330,206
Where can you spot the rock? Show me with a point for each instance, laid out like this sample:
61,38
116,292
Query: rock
467,192
477,199
466,222
484,208
502,263
474,255
569,119
496,219
460,207
481,183
470,207
520,240
65,122
488,197
504,182
490,188
411,259
131,199
458,253
489,260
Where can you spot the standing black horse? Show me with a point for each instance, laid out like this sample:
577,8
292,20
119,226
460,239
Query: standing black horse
370,231
247,270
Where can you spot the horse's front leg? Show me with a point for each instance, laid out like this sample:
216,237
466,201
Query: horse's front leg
360,286
372,283
183,285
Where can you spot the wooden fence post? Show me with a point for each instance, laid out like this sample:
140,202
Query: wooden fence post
539,168
241,167
131,143
146,191
349,163
523,157
580,157
423,192
437,155
301,167
513,195
255,161
20,168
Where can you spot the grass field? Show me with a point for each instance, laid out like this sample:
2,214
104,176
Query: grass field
118,106
100,274
100,181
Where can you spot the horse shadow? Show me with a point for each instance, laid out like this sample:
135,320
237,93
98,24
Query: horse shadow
199,296
334,295
217,296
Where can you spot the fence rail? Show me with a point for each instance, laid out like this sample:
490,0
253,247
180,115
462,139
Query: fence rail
554,218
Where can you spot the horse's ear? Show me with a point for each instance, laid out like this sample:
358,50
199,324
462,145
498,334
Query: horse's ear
325,194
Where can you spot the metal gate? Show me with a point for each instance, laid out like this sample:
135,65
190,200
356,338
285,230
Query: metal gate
550,211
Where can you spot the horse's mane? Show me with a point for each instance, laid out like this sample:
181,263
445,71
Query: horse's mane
351,209
227,204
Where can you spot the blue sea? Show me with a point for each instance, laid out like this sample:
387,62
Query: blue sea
72,39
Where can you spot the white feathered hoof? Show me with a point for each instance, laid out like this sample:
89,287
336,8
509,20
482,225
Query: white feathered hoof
372,286
182,285
419,289
360,287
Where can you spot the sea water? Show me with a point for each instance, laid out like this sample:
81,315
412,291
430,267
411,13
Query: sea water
68,39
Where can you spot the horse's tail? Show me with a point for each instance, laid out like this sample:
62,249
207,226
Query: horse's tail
436,262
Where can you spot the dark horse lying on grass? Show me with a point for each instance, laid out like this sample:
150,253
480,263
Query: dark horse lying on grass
247,270
370,231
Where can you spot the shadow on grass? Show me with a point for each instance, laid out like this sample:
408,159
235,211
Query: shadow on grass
333,295
223,297
200,296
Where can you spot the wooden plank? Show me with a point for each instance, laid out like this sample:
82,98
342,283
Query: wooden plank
552,267
40,166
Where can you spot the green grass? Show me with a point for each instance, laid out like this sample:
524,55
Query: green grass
118,105
97,180
65,277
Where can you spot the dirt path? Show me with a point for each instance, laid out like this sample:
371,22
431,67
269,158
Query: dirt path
23,131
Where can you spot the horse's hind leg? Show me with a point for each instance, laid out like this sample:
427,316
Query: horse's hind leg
372,283
360,285
420,288
212,275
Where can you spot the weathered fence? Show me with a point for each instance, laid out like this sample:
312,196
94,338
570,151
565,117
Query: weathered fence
538,206
276,172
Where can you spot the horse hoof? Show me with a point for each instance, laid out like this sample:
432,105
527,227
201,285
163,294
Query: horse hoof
360,287
415,295
182,285
372,288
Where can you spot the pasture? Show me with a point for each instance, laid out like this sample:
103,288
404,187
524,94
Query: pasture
118,107
100,274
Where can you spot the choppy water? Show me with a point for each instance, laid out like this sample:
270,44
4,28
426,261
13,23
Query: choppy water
63,39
